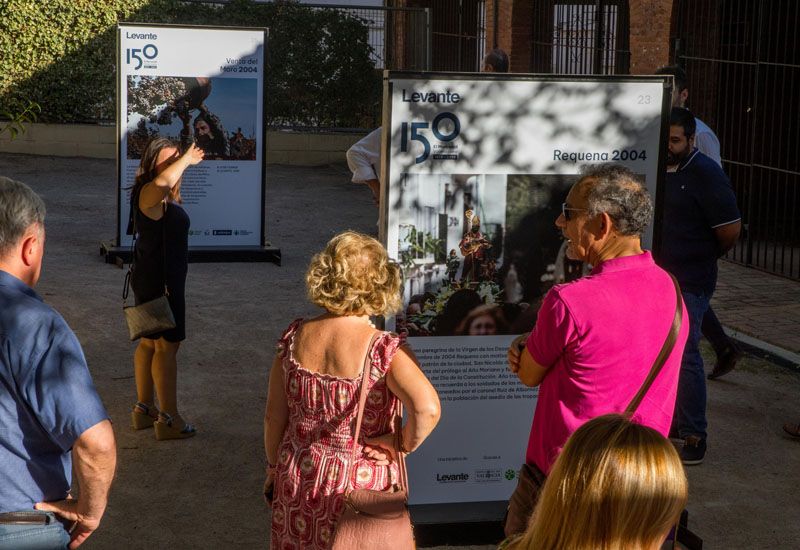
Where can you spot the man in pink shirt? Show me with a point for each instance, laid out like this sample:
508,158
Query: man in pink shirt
596,338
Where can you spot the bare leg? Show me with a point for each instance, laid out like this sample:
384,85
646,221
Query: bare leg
142,370
170,425
165,375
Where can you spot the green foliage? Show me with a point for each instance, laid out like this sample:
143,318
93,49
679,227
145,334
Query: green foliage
420,244
16,121
62,55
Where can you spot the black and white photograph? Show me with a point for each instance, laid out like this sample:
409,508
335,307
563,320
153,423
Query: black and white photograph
478,250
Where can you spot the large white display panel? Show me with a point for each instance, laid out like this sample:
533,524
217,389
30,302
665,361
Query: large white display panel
204,85
478,167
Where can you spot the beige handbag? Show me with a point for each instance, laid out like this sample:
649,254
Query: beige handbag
374,519
148,318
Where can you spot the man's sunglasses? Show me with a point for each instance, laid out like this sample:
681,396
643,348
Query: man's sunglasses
565,210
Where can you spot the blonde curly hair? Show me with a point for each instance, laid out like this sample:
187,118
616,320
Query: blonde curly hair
354,276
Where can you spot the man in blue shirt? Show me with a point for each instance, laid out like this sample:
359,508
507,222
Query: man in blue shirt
51,417
700,223
727,350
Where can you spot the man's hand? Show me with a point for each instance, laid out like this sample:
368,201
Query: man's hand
94,458
83,525
515,351
375,187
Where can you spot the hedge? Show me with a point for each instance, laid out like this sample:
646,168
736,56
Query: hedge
61,55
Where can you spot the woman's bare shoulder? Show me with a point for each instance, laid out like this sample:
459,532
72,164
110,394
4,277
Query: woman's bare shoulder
331,347
151,201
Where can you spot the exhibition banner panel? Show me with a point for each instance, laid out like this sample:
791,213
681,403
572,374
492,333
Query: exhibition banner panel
480,441
203,85
478,167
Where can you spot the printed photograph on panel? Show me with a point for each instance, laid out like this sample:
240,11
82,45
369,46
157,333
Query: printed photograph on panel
479,251
218,114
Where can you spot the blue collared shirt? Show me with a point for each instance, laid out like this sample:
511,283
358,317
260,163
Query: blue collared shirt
698,198
47,398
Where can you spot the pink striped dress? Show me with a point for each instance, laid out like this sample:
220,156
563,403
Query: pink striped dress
311,473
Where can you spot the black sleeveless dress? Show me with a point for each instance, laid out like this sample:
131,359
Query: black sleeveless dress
152,266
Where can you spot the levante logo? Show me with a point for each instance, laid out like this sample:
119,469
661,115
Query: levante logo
431,97
445,128
452,478
145,56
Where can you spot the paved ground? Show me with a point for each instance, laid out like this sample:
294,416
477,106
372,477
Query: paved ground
760,305
205,492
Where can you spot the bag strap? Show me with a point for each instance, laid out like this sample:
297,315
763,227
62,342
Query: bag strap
127,284
397,420
362,401
134,232
164,244
666,349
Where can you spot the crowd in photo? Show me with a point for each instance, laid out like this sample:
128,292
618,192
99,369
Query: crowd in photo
611,341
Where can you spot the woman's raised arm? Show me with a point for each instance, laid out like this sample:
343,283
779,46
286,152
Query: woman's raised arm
154,192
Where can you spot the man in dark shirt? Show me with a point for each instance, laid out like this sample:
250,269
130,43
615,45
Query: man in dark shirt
727,350
701,222
51,418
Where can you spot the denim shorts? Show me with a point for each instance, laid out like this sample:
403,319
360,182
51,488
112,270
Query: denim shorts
50,535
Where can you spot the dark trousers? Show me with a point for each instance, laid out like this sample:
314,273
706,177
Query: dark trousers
690,402
522,502
714,333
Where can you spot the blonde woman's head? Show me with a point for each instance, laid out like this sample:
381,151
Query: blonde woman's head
616,485
354,276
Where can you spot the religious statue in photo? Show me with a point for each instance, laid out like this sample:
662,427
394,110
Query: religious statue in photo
475,249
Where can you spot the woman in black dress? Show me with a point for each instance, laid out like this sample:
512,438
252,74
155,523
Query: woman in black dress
161,258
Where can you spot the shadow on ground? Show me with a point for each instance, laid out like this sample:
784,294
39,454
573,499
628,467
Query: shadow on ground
205,492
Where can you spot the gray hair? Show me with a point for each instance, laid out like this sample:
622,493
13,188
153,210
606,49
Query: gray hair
20,208
620,193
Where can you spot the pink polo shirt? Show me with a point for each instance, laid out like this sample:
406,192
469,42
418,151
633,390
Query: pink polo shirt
599,336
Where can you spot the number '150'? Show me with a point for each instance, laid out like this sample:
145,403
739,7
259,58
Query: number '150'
149,52
415,133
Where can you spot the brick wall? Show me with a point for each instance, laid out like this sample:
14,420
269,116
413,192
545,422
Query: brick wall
514,29
650,23
650,34
490,24
521,21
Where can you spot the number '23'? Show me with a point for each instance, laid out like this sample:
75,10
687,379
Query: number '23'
415,134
